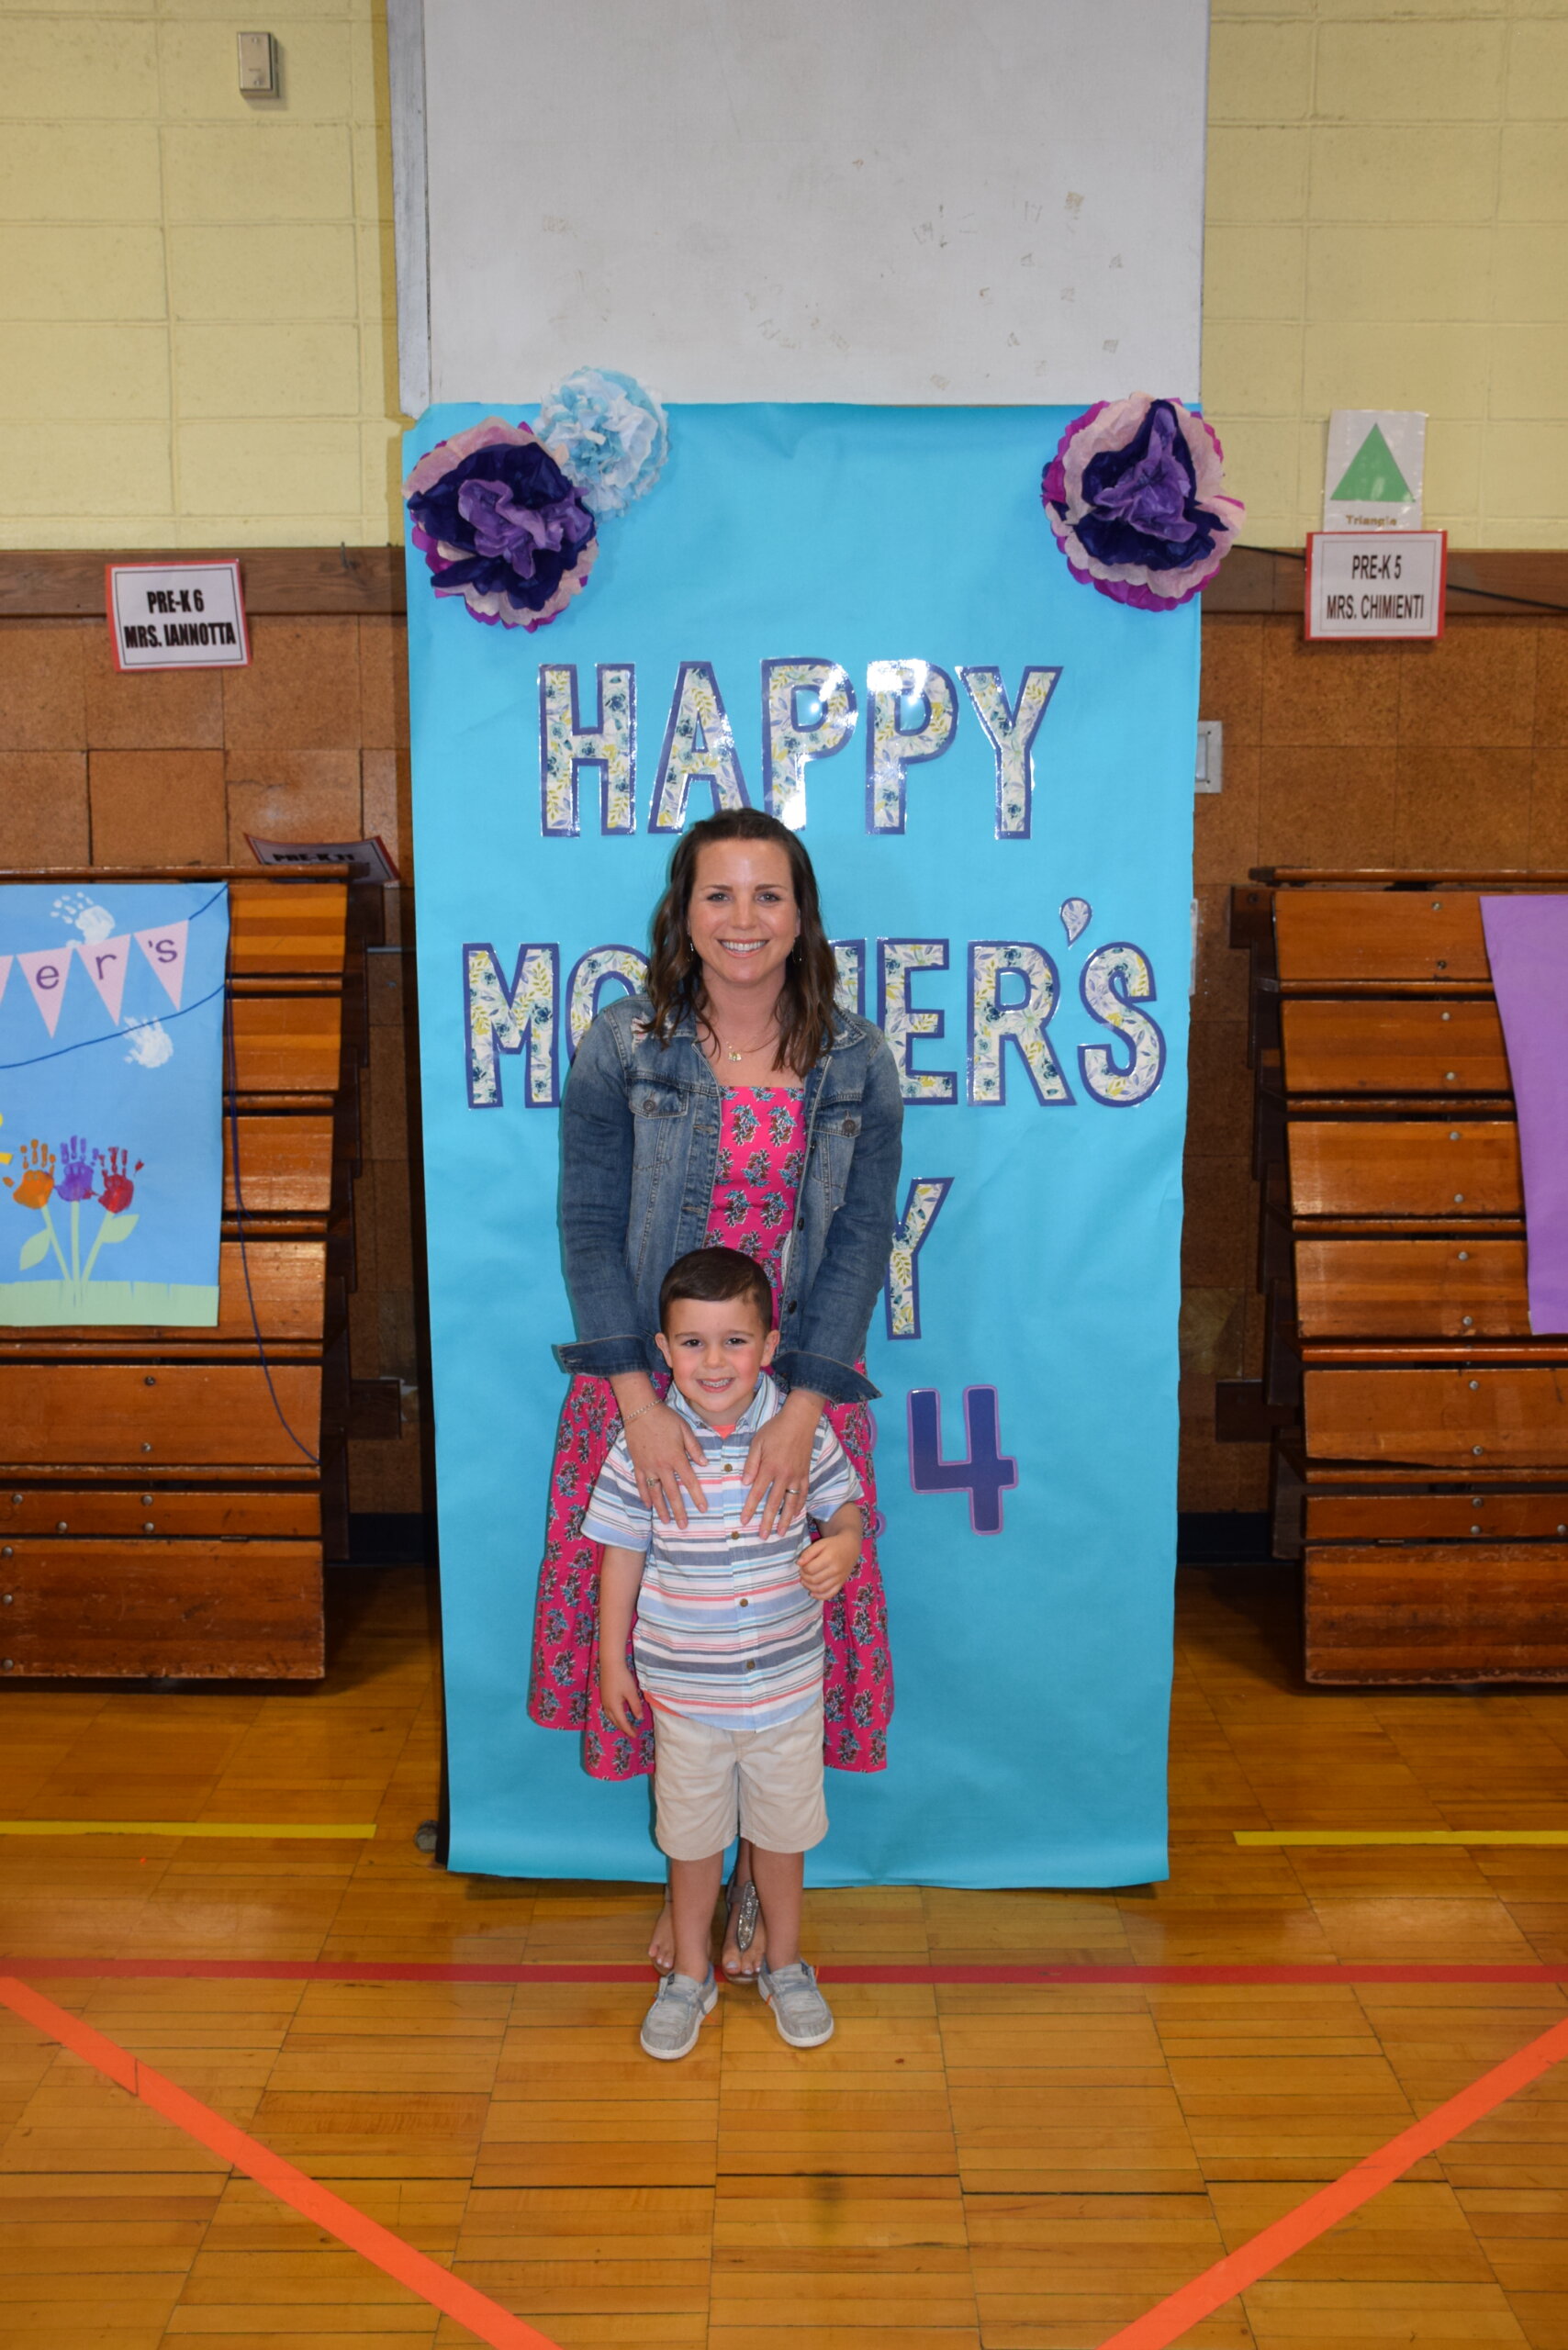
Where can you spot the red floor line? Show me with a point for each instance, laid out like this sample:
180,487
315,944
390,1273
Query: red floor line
1176,2315
390,2253
1157,2329
334,1970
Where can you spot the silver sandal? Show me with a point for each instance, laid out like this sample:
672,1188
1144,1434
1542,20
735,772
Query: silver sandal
743,1905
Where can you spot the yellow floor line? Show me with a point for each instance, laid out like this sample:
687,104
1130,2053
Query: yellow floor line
291,1828
1253,1837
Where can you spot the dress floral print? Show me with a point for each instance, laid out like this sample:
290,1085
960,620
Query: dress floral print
761,1159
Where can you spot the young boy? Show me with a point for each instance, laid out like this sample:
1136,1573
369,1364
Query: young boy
729,1646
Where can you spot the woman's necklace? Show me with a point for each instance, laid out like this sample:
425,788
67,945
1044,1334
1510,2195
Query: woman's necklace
744,1052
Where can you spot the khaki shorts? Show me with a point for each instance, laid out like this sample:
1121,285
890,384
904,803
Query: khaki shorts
765,1784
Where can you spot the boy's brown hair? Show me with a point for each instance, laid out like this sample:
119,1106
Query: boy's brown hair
711,1277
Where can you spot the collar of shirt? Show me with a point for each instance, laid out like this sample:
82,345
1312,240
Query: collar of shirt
763,1405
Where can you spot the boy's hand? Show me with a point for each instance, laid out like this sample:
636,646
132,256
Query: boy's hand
826,1566
618,1693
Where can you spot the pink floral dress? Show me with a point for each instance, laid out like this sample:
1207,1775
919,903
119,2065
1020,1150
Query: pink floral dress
761,1156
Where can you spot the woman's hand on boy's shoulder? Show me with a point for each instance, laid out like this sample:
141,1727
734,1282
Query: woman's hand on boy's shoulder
666,1456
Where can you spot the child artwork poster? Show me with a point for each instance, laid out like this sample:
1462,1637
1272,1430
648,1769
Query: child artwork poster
111,1103
1002,833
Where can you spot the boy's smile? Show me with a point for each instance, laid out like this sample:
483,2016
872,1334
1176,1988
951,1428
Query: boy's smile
716,1353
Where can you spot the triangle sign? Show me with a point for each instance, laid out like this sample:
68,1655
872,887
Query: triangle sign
165,950
1372,477
105,962
44,972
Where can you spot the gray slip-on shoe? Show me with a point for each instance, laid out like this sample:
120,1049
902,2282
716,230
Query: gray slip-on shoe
672,2023
802,2015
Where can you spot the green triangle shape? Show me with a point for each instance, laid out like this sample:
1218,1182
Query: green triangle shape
1372,477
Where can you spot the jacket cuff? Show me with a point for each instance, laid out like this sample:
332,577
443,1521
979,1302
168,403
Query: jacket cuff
602,1358
839,1382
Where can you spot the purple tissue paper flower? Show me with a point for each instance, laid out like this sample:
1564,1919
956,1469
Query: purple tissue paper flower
500,524
1133,494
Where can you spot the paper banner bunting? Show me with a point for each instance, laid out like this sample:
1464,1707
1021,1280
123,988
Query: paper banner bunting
105,962
45,972
165,950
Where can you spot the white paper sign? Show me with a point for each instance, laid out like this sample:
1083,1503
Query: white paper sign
813,202
177,616
1371,480
1390,586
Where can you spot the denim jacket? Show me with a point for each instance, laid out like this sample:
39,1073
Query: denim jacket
640,1154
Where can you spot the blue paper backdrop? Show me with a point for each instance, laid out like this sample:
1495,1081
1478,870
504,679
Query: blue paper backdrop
111,1127
1033,1663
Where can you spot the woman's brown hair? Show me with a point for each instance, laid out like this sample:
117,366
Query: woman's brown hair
811,975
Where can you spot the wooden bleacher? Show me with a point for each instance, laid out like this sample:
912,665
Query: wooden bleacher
1420,1431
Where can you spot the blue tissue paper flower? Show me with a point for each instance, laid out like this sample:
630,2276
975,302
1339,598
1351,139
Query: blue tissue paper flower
608,435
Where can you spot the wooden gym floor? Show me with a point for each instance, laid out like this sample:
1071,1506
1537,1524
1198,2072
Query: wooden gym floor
970,2161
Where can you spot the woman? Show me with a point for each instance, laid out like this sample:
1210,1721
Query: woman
733,1102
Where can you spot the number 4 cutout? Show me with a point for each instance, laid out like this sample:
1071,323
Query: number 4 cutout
984,1475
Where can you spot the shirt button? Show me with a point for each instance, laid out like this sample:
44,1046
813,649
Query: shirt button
736,1534
751,1664
746,1603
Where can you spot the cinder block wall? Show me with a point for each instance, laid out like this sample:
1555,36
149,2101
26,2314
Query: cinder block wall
196,288
1388,228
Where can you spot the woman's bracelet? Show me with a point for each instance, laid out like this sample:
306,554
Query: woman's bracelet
627,1417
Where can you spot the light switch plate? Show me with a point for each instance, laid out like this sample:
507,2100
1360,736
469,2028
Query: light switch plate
1211,754
257,66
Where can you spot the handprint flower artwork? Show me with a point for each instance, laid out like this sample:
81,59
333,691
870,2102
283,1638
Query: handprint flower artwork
111,1096
78,1168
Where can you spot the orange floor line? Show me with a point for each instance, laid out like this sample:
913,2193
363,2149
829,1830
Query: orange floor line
1170,2318
307,2196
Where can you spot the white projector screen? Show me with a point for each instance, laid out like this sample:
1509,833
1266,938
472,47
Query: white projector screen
926,201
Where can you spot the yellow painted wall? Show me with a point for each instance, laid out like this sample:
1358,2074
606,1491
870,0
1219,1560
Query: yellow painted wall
1388,228
196,288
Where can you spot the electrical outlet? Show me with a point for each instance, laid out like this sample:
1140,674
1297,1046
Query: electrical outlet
1211,754
257,66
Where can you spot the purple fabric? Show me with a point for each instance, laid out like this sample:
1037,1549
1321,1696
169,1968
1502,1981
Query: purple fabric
1527,941
516,532
1152,495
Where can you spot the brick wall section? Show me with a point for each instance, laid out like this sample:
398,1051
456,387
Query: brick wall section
311,743
1333,755
1347,756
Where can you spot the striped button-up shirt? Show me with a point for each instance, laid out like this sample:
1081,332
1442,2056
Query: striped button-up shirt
726,1631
